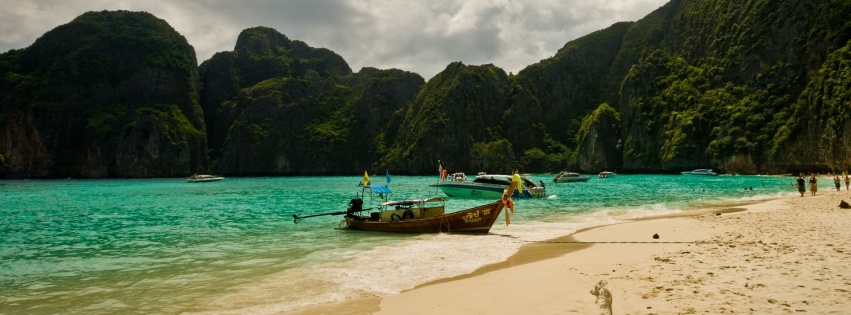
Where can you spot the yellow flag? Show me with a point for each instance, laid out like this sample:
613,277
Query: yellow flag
517,183
365,178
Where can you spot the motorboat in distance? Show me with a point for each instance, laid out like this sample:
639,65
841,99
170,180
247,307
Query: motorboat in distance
203,178
570,177
606,174
701,171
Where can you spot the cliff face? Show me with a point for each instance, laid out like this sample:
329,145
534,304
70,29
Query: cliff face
276,106
261,53
454,118
733,85
571,84
110,94
816,134
598,150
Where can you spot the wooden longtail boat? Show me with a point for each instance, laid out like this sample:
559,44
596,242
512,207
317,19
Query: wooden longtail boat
418,216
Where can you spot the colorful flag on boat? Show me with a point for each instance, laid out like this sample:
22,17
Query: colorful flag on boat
440,170
365,178
508,205
517,183
388,176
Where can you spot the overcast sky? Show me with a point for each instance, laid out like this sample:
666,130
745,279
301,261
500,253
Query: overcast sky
419,36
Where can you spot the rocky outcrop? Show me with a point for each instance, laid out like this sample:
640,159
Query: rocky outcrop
460,107
816,136
276,106
261,53
598,150
731,85
110,94
571,84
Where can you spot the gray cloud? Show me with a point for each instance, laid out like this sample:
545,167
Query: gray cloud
418,36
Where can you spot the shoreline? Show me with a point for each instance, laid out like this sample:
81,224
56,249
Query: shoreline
573,263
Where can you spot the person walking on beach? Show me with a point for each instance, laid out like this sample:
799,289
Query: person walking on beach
802,186
837,182
813,184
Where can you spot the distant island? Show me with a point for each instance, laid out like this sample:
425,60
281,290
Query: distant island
742,87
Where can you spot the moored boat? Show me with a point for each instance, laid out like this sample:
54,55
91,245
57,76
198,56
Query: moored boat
457,177
606,174
490,186
203,178
701,171
425,216
570,177
420,216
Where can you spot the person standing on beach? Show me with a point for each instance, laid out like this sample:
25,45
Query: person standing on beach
813,184
837,182
802,187
847,182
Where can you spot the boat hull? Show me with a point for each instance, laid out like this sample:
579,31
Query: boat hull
471,191
476,220
700,173
573,179
467,190
204,180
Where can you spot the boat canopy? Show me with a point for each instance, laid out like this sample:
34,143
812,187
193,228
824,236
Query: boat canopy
411,202
378,189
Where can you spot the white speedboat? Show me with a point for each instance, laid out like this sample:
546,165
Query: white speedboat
701,171
490,186
606,174
203,178
570,177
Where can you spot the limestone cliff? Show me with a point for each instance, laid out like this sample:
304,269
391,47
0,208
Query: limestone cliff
276,106
739,86
598,150
110,94
455,118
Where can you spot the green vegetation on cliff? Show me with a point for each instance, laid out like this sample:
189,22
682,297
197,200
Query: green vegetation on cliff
276,106
455,110
722,82
74,101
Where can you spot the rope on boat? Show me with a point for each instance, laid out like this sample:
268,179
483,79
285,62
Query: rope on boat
444,221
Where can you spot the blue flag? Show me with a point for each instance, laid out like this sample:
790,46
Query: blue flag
388,176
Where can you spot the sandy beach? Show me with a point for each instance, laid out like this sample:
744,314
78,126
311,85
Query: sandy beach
788,255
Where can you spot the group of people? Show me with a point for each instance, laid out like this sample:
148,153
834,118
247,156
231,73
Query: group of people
813,181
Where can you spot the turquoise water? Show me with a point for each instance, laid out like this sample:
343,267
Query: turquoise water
165,246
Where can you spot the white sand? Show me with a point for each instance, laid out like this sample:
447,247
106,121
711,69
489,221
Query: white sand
789,255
